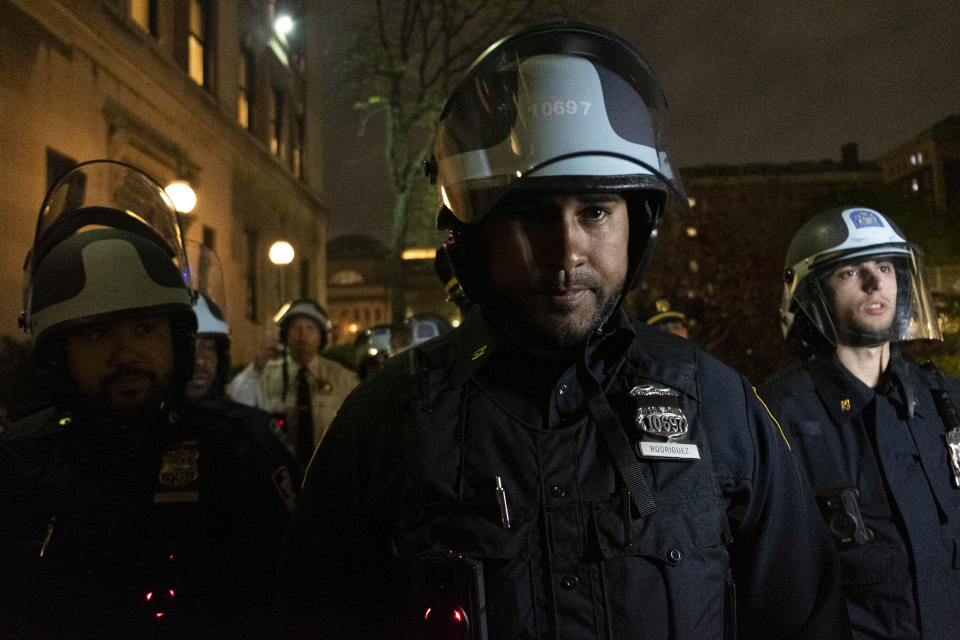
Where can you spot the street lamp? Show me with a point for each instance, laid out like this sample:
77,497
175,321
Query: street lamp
281,254
283,25
182,195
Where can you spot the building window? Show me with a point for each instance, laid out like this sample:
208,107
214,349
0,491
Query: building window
913,158
276,123
197,42
245,80
144,13
250,276
209,237
58,165
919,157
296,157
914,185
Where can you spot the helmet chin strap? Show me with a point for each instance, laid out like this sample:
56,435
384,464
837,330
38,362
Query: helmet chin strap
865,338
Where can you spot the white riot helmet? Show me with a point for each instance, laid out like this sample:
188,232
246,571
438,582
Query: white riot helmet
842,236
557,108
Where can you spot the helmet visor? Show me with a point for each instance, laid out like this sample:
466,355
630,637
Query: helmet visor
844,303
206,278
105,194
562,108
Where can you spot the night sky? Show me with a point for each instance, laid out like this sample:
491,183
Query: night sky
768,81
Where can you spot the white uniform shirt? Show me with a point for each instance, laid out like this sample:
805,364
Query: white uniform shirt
329,381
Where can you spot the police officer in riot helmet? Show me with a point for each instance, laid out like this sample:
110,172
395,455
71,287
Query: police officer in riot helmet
126,512
374,346
549,468
207,387
877,437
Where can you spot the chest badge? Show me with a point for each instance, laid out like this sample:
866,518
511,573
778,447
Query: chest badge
179,473
663,426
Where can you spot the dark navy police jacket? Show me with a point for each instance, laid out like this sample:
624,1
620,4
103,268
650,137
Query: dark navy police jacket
734,548
888,444
165,529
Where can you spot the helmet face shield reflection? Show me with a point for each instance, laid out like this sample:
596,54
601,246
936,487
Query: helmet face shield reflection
564,109
913,316
812,318
135,258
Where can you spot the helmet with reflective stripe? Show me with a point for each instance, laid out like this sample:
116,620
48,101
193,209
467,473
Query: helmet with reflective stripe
557,108
306,308
107,245
848,235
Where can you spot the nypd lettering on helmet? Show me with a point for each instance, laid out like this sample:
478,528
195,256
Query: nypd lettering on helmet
865,218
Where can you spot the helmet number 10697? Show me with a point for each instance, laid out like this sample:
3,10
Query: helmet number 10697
559,108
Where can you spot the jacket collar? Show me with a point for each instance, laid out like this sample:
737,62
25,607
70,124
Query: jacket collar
478,339
845,396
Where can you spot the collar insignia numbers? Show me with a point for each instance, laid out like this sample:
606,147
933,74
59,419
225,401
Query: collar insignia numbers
953,446
663,424
179,473
845,404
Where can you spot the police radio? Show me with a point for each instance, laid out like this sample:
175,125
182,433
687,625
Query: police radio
841,510
448,598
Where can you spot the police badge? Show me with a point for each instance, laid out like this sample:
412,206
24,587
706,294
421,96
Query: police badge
658,415
179,473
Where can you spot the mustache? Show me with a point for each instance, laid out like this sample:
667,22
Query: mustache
125,371
566,280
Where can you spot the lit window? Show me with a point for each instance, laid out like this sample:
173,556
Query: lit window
915,185
919,157
691,232
913,159
296,156
144,13
198,27
276,123
244,79
691,201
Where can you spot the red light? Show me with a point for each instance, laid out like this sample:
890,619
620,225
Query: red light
280,422
171,593
159,614
457,616
427,614
149,595
171,557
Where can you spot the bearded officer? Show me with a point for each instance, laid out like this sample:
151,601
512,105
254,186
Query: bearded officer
126,512
550,469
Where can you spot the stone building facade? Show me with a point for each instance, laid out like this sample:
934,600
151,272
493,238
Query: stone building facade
206,91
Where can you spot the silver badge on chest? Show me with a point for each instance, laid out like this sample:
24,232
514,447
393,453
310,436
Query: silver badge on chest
663,423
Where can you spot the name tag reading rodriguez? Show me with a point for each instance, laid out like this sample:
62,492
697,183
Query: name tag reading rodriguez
668,450
660,416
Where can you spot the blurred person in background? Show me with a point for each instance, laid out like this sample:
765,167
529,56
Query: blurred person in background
302,389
